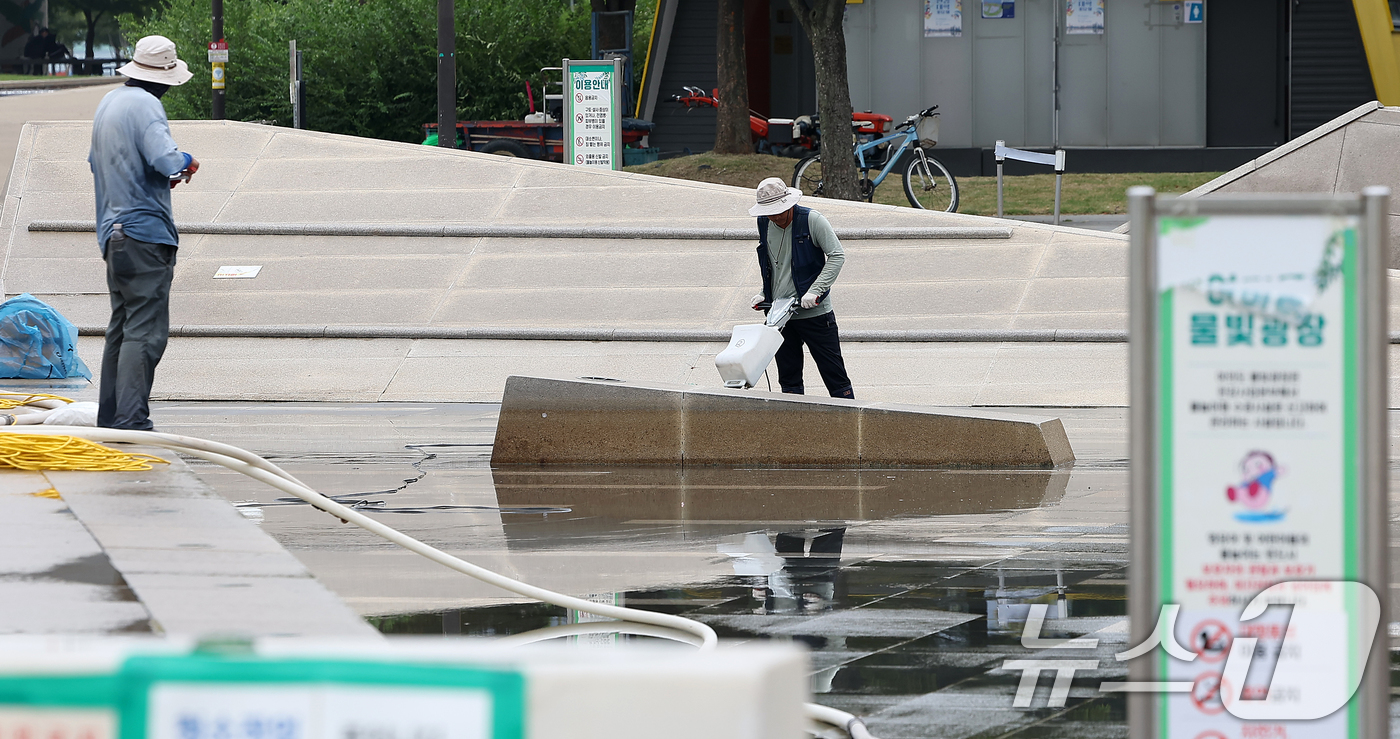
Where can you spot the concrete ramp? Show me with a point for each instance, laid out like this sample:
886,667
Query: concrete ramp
390,271
603,421
1358,149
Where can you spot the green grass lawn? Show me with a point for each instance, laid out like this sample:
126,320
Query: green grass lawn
30,77
1083,193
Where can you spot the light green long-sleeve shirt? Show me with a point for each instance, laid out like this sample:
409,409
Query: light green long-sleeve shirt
780,251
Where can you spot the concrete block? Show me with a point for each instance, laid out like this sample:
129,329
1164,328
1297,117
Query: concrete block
894,434
583,421
582,306
1076,294
753,427
690,269
1361,165
550,421
1311,168
332,173
920,261
960,296
1084,258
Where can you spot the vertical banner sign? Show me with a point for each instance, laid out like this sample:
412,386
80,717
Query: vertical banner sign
1083,16
593,113
1256,357
942,18
218,57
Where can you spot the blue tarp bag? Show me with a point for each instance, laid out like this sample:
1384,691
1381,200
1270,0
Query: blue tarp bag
37,342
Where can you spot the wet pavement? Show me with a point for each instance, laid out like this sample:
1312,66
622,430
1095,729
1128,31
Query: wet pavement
910,587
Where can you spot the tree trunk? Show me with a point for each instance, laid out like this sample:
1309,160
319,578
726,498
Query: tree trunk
821,21
732,125
91,39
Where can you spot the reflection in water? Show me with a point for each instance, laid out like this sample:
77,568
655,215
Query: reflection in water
904,642
794,573
1008,607
737,495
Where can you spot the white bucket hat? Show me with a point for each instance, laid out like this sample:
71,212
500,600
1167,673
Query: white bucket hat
154,61
774,197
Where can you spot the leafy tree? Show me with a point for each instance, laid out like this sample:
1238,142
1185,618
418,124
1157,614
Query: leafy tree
22,16
370,65
94,12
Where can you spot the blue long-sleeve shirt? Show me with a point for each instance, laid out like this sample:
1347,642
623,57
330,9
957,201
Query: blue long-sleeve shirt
132,159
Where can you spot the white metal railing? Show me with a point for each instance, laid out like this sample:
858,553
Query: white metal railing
1056,160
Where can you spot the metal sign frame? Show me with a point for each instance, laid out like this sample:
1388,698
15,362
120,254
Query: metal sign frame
1370,356
571,136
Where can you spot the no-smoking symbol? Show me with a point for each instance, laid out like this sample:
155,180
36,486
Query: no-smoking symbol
1211,640
578,98
1207,693
1211,735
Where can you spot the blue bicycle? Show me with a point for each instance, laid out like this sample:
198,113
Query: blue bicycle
927,183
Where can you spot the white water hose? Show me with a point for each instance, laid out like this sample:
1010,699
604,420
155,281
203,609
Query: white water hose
648,623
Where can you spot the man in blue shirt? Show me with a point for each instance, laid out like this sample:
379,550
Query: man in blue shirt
135,164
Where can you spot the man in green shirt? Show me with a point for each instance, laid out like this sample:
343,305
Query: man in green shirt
800,256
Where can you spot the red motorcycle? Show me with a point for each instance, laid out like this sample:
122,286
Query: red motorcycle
788,137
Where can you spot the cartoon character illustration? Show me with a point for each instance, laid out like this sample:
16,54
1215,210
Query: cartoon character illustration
1255,493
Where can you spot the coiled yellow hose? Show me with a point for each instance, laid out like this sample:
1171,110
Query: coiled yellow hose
35,452
15,400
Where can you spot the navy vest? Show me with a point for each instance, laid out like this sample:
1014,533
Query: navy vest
807,258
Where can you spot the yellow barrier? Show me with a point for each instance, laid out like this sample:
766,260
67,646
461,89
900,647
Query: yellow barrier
1382,48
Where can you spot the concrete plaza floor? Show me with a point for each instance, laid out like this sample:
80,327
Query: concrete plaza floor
908,620
908,617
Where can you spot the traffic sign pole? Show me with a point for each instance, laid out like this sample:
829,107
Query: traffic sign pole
217,79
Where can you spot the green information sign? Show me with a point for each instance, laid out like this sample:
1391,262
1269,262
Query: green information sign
221,697
1259,464
593,113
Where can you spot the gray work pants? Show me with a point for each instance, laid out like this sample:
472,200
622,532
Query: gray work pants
138,278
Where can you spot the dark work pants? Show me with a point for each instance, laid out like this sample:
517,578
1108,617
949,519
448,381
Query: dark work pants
138,278
820,335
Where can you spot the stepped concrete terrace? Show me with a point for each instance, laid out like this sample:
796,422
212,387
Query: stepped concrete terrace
393,271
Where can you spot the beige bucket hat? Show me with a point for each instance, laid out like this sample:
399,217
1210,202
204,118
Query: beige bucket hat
154,61
774,197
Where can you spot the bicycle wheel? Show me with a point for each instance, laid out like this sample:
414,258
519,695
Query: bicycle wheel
931,187
807,176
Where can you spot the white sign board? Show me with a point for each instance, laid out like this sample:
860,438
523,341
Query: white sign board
593,114
1083,16
326,711
942,18
1251,366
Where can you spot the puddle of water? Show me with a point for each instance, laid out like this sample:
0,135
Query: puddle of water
894,641
94,569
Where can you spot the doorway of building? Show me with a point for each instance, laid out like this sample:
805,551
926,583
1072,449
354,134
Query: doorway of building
1247,73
